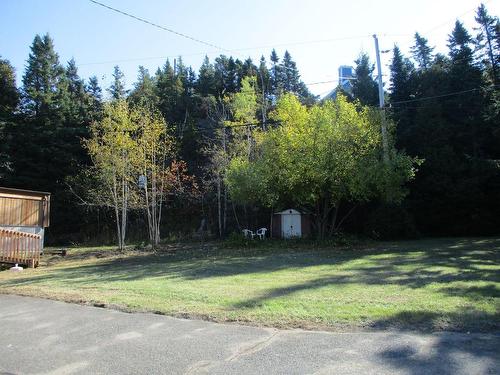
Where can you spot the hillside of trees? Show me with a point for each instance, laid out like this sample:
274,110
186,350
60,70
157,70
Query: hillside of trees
443,113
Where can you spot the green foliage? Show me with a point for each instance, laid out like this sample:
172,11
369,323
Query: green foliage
324,159
421,52
117,88
364,87
319,158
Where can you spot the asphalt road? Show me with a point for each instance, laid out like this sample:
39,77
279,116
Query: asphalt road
46,337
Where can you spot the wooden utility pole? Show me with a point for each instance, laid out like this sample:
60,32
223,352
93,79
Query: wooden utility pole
385,144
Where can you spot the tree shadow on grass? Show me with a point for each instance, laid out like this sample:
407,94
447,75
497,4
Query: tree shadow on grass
448,263
443,352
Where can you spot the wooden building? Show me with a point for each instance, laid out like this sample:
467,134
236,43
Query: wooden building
24,215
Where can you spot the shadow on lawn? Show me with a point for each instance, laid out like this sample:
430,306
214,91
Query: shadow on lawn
410,264
443,351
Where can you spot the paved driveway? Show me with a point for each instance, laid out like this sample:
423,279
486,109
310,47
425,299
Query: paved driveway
46,337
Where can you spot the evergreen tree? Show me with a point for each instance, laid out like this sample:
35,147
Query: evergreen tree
364,87
291,76
117,88
248,69
485,41
276,77
95,96
9,95
77,98
421,52
41,78
144,92
206,79
9,99
401,89
264,76
169,90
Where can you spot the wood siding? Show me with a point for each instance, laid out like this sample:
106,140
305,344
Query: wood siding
23,212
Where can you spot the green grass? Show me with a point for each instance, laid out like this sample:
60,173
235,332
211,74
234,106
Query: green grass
429,285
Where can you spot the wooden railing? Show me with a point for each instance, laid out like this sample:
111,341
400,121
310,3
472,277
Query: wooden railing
19,247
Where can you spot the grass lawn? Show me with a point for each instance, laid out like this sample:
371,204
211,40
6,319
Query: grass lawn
428,284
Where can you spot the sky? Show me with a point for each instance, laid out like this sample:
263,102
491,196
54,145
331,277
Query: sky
321,35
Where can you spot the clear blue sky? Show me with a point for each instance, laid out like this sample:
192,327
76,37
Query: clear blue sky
98,38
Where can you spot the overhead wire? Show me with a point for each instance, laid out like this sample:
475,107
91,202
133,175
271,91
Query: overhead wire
158,26
439,96
236,51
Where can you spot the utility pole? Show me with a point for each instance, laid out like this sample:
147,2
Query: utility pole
385,145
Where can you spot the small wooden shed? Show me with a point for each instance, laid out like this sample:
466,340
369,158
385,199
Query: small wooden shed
24,215
291,223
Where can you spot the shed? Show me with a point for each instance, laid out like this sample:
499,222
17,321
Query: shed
291,223
24,215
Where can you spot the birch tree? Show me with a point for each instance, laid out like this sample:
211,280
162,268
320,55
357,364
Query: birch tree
113,152
155,148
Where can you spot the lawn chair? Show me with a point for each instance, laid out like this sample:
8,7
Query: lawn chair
261,233
248,233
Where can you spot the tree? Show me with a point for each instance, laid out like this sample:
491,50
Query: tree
155,148
364,87
144,91
206,78
485,40
41,78
422,52
9,95
117,88
170,91
95,94
320,158
114,156
402,72
276,76
9,99
291,76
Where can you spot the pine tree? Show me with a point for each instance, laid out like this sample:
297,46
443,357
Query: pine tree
291,76
117,88
401,89
9,95
41,78
169,90
9,99
421,52
401,70
364,87
276,77
144,92
76,95
248,69
264,76
95,97
206,78
485,41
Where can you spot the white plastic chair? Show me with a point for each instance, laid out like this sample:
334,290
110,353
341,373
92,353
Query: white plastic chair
261,233
248,233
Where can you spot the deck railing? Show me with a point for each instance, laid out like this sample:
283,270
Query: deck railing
19,247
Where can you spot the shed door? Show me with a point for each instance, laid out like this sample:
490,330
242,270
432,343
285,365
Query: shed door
291,226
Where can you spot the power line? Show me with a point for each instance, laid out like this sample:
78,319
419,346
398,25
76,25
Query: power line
234,50
158,26
454,18
196,39
438,96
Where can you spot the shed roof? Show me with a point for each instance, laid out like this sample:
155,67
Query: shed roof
21,193
290,211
